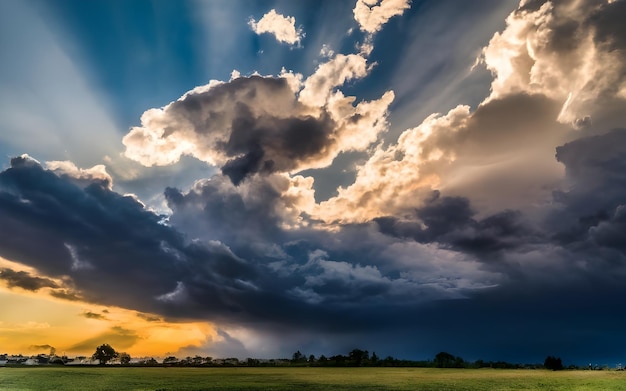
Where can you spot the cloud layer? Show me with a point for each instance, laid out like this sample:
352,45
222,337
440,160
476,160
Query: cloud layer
489,215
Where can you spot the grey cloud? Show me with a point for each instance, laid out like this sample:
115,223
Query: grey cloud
118,238
229,346
450,222
25,280
610,232
308,288
93,315
609,26
589,218
263,124
148,317
204,278
509,124
274,144
66,294
331,281
116,336
595,168
568,50
23,161
248,125
246,217
500,157
580,233
503,155
41,347
531,5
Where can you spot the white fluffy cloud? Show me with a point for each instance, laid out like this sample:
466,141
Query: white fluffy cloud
373,14
263,124
319,86
283,28
553,70
559,49
500,155
97,173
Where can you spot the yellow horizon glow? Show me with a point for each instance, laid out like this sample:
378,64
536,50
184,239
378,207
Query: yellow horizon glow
31,320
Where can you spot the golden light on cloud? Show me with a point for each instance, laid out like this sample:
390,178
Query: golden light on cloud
33,321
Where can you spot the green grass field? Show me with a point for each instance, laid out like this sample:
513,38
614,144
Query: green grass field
362,379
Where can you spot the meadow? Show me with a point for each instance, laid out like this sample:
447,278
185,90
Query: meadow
312,379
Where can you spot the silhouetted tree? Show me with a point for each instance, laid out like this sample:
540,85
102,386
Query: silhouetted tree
358,357
197,360
553,363
124,358
104,353
252,362
170,360
298,357
151,361
446,360
389,361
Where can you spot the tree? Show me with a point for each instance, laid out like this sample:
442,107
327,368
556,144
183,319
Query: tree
124,358
104,353
151,362
198,360
446,360
358,357
553,363
298,357
170,360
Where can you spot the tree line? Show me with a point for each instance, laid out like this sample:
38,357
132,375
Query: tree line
355,358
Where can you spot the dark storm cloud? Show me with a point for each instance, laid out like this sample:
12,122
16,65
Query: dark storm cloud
25,280
588,223
101,240
234,217
115,252
93,315
596,169
450,222
306,278
269,144
562,275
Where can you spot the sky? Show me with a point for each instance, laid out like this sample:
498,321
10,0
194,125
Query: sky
251,178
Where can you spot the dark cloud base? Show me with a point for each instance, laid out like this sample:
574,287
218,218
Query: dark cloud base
154,268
